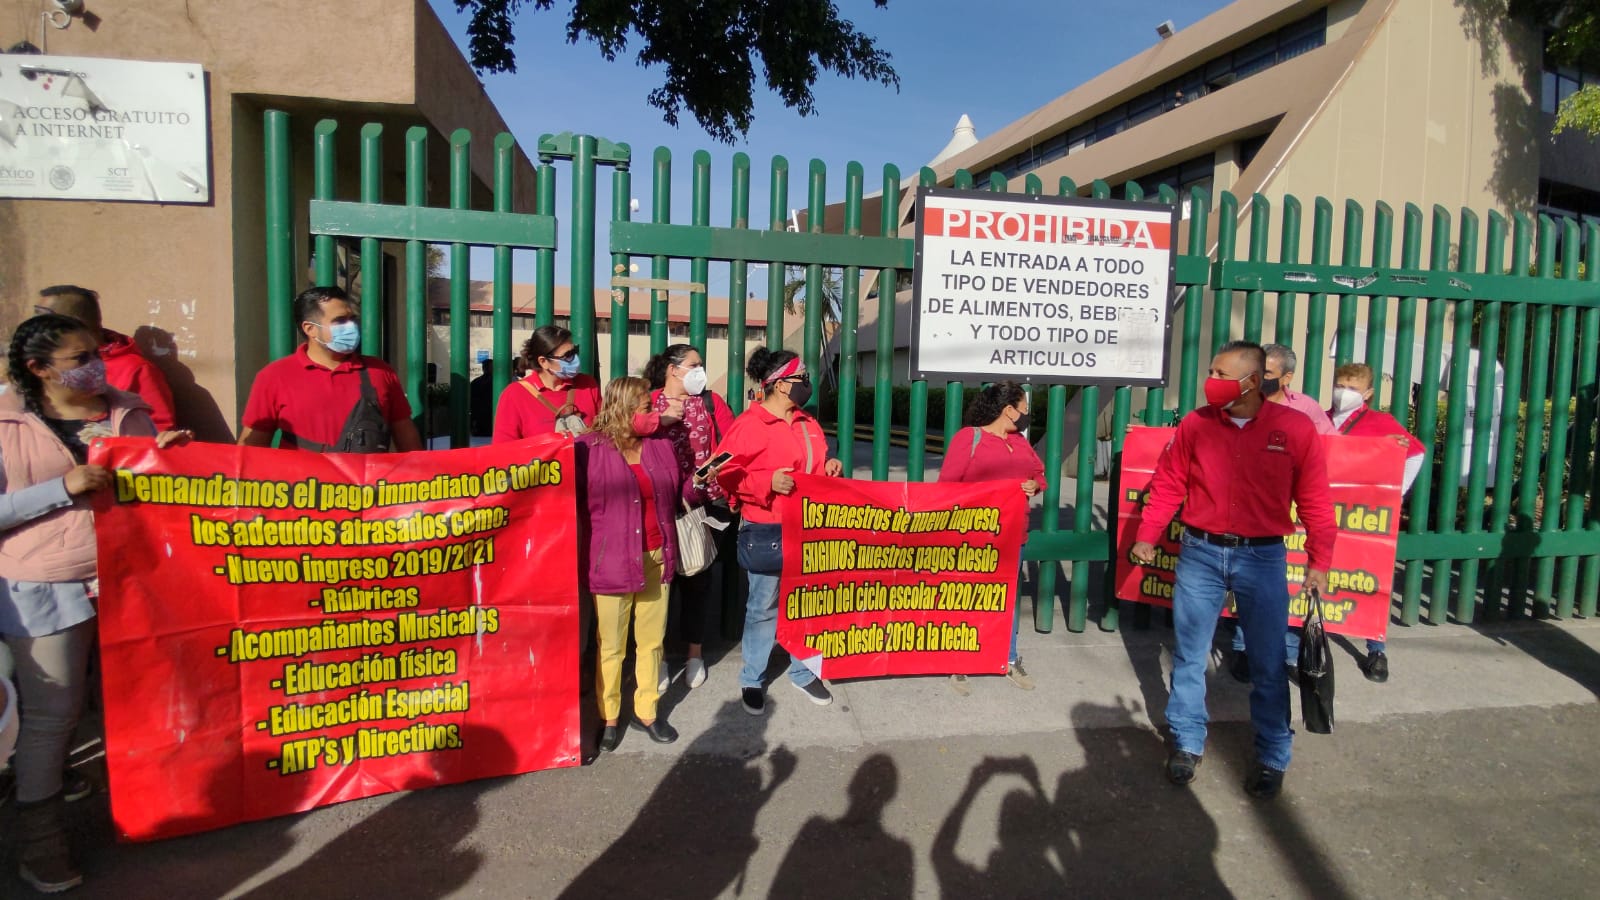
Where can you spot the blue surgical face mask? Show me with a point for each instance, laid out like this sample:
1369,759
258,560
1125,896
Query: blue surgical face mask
569,368
344,337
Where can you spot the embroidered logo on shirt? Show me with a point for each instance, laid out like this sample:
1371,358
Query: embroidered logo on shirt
1278,442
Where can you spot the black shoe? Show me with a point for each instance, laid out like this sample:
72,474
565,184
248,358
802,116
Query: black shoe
755,700
815,691
1376,667
610,738
659,731
1239,667
74,786
1180,767
1263,782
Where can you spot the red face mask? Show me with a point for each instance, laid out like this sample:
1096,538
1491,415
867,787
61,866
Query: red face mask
645,424
1223,392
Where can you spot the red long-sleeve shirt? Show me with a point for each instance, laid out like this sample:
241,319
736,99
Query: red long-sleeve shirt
761,444
128,370
1233,480
990,458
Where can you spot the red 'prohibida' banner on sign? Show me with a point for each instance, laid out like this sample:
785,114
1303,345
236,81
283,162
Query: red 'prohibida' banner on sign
282,630
895,578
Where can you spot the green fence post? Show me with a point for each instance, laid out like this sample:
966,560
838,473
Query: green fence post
1378,306
1405,328
621,315
1503,574
1317,304
1584,466
1484,397
816,301
1449,493
324,174
849,318
374,315
1044,598
1289,254
917,415
738,282
544,259
1560,396
416,369
582,278
699,267
1350,255
776,270
1533,450
460,294
1428,412
1222,298
1193,305
279,202
1260,233
504,157
660,267
888,283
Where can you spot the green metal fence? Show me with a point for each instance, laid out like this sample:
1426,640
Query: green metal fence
1527,542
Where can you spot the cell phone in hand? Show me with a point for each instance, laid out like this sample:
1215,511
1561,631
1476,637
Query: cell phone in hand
714,462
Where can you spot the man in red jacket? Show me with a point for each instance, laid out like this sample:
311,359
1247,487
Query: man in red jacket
1235,466
126,368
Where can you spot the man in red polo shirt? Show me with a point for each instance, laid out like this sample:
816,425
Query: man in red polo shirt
326,396
1237,466
126,368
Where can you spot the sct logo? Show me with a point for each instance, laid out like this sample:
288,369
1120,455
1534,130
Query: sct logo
17,174
117,172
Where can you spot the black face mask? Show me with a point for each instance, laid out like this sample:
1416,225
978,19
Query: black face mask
799,392
1270,386
1022,423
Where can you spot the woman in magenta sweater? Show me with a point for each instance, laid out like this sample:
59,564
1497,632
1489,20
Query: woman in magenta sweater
994,447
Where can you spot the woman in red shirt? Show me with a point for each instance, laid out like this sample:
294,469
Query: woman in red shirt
632,488
694,418
554,398
994,447
769,443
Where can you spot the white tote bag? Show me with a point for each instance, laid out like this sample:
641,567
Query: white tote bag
696,549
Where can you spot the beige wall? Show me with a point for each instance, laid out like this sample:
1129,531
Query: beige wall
195,274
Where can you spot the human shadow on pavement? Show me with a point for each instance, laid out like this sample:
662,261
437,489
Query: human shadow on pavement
1557,648
852,856
1112,829
709,796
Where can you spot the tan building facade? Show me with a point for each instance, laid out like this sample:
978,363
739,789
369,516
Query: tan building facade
189,281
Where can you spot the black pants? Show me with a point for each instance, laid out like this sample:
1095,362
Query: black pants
698,598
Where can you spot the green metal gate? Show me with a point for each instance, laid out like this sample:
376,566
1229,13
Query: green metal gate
1526,543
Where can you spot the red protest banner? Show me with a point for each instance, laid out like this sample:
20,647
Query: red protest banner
893,578
1364,474
282,630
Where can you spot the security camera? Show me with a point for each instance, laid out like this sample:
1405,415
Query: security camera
70,7
1165,29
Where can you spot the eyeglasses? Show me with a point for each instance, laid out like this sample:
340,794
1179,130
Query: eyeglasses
568,356
82,359
797,379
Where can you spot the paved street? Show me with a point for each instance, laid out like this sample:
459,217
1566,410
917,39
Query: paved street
1465,775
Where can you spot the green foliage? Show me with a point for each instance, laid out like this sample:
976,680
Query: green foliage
1580,112
706,49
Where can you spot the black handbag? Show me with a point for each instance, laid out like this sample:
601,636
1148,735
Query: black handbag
1316,670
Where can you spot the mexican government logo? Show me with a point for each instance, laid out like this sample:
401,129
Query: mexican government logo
61,178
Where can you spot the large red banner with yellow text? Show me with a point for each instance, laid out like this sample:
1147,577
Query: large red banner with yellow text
281,630
893,578
1364,475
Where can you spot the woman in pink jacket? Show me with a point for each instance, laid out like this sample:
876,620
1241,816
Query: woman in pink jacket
57,405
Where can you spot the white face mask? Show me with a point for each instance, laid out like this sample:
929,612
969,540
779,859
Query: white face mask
694,380
1346,400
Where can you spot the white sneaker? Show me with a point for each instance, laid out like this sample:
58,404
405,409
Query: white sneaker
666,678
695,672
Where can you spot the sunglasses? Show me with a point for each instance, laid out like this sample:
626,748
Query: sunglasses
568,356
797,379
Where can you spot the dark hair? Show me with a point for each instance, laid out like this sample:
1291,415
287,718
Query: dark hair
75,301
1250,351
1287,361
764,362
308,305
36,340
986,407
655,371
545,340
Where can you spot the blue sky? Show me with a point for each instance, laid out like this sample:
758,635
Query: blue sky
995,61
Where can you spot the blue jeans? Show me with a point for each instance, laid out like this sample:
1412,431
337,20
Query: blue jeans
1258,578
1291,643
760,631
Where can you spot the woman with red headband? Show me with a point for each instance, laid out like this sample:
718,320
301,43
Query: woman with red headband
771,442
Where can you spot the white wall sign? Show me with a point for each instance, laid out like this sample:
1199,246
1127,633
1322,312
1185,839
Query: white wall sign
103,129
1041,289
